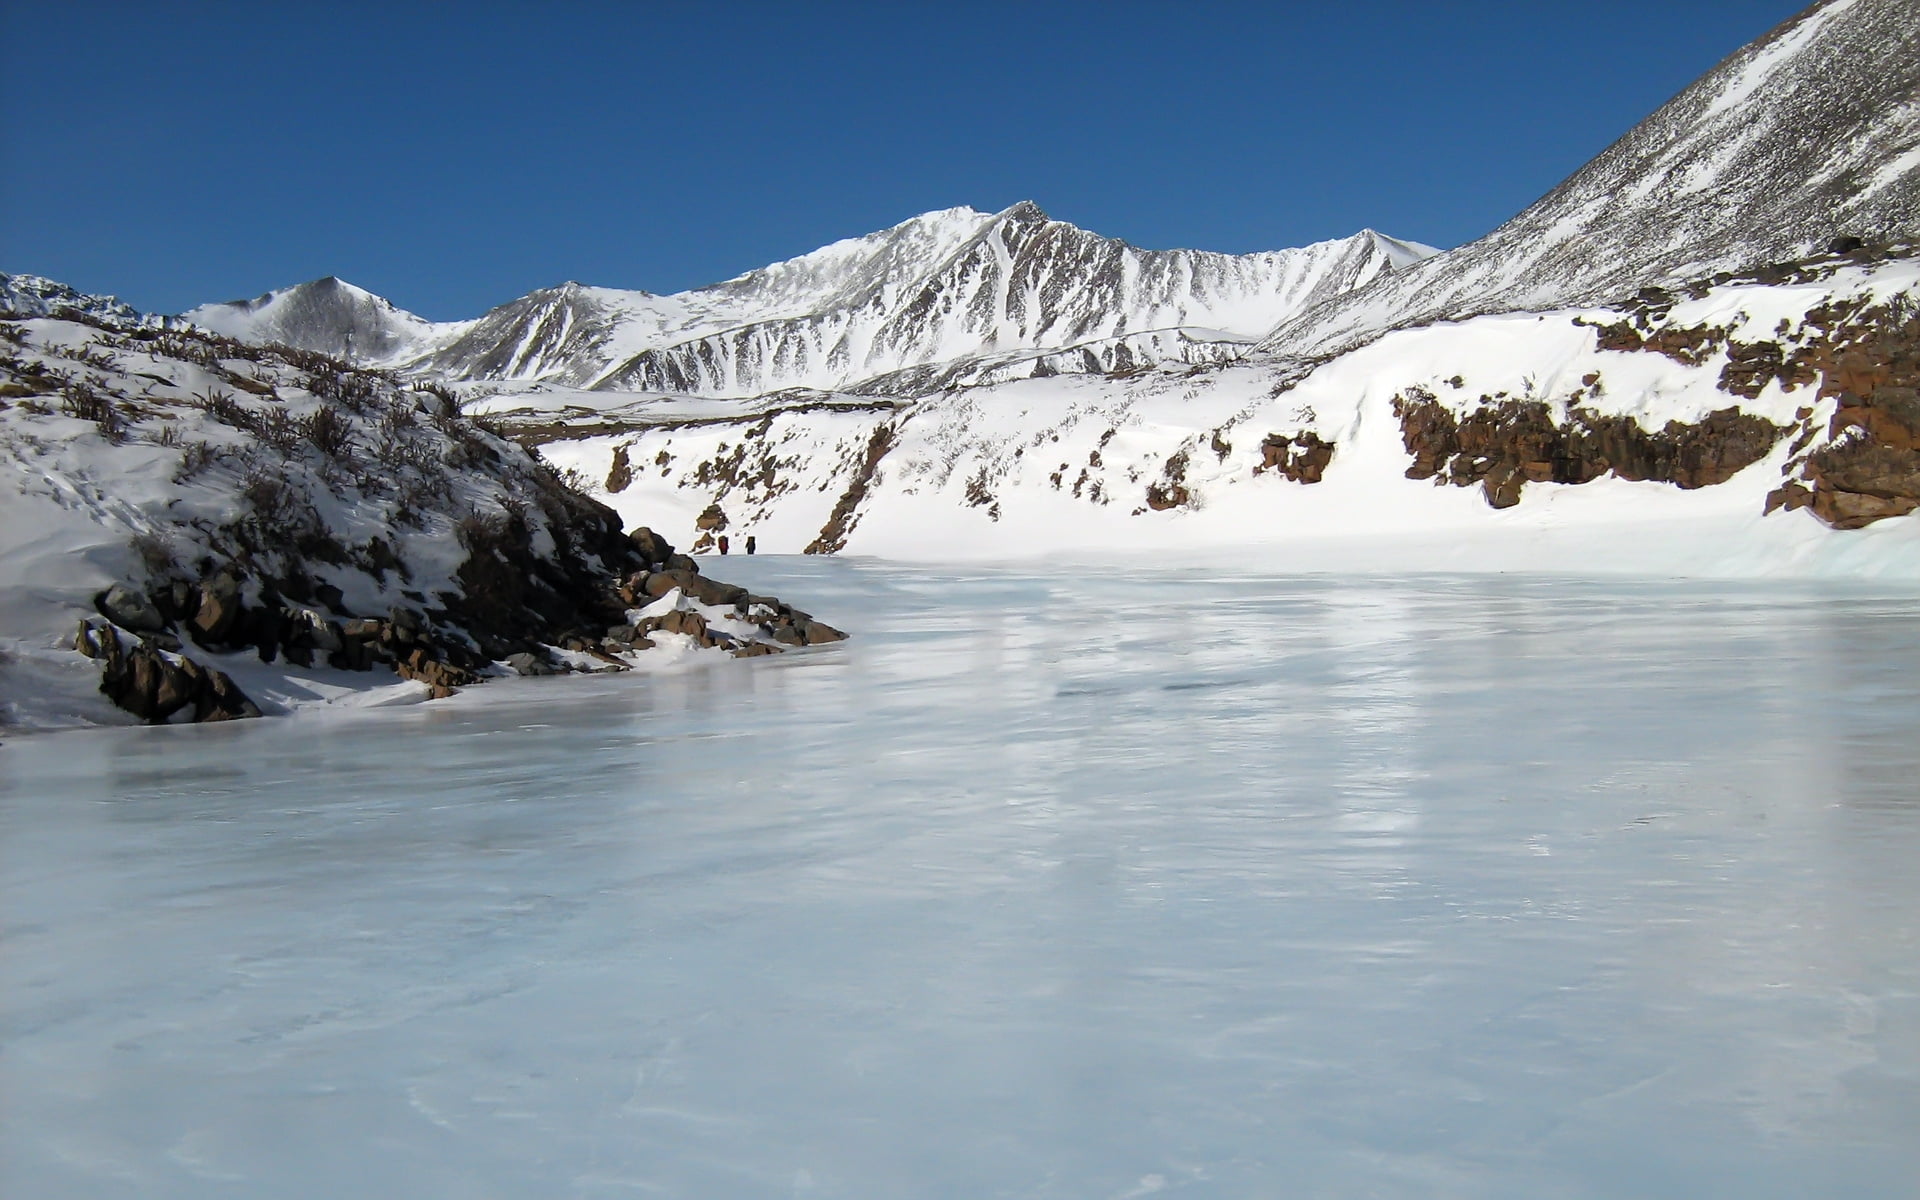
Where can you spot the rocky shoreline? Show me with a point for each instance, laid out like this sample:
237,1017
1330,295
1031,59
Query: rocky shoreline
141,639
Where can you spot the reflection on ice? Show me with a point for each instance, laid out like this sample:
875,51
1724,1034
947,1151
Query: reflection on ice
1052,885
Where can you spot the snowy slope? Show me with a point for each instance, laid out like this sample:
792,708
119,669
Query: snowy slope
1809,133
333,506
1171,460
329,316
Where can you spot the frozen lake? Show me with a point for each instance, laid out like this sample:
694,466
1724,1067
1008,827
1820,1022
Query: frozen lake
1078,886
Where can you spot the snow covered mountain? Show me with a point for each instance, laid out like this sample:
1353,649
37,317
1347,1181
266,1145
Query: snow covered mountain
34,296
329,316
1699,354
937,298
1758,428
1020,282
1807,134
1700,350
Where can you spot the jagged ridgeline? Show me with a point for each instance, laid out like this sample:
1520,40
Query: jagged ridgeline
943,298
280,502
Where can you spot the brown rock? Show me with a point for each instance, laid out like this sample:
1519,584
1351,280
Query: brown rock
620,475
698,587
1163,496
1302,458
690,623
219,609
652,547
817,633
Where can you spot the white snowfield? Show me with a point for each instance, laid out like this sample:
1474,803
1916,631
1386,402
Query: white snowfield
1062,465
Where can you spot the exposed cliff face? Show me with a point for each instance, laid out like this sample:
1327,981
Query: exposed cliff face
1809,133
1506,445
1867,467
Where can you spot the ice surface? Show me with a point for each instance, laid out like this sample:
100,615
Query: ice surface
1088,884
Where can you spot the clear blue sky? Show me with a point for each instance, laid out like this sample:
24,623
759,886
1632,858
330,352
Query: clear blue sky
454,156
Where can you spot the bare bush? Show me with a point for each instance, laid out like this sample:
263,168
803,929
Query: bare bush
155,549
197,458
416,495
81,400
90,355
444,403
352,390
222,407
279,431
273,502
328,431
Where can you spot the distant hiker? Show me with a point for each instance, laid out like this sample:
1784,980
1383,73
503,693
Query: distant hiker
723,543
749,543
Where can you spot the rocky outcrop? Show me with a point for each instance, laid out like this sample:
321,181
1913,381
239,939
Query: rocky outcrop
299,481
620,473
846,511
1303,457
1869,467
155,685
1503,445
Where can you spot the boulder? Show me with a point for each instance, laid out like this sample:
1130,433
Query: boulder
219,609
442,679
528,663
177,600
154,687
651,546
404,626
1302,458
817,633
690,623
129,610
698,587
215,696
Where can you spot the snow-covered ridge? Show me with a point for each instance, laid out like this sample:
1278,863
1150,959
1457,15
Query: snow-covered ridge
35,296
933,297
1023,282
1808,134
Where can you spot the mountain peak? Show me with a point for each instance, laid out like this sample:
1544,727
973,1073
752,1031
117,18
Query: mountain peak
1805,134
328,315
1025,213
